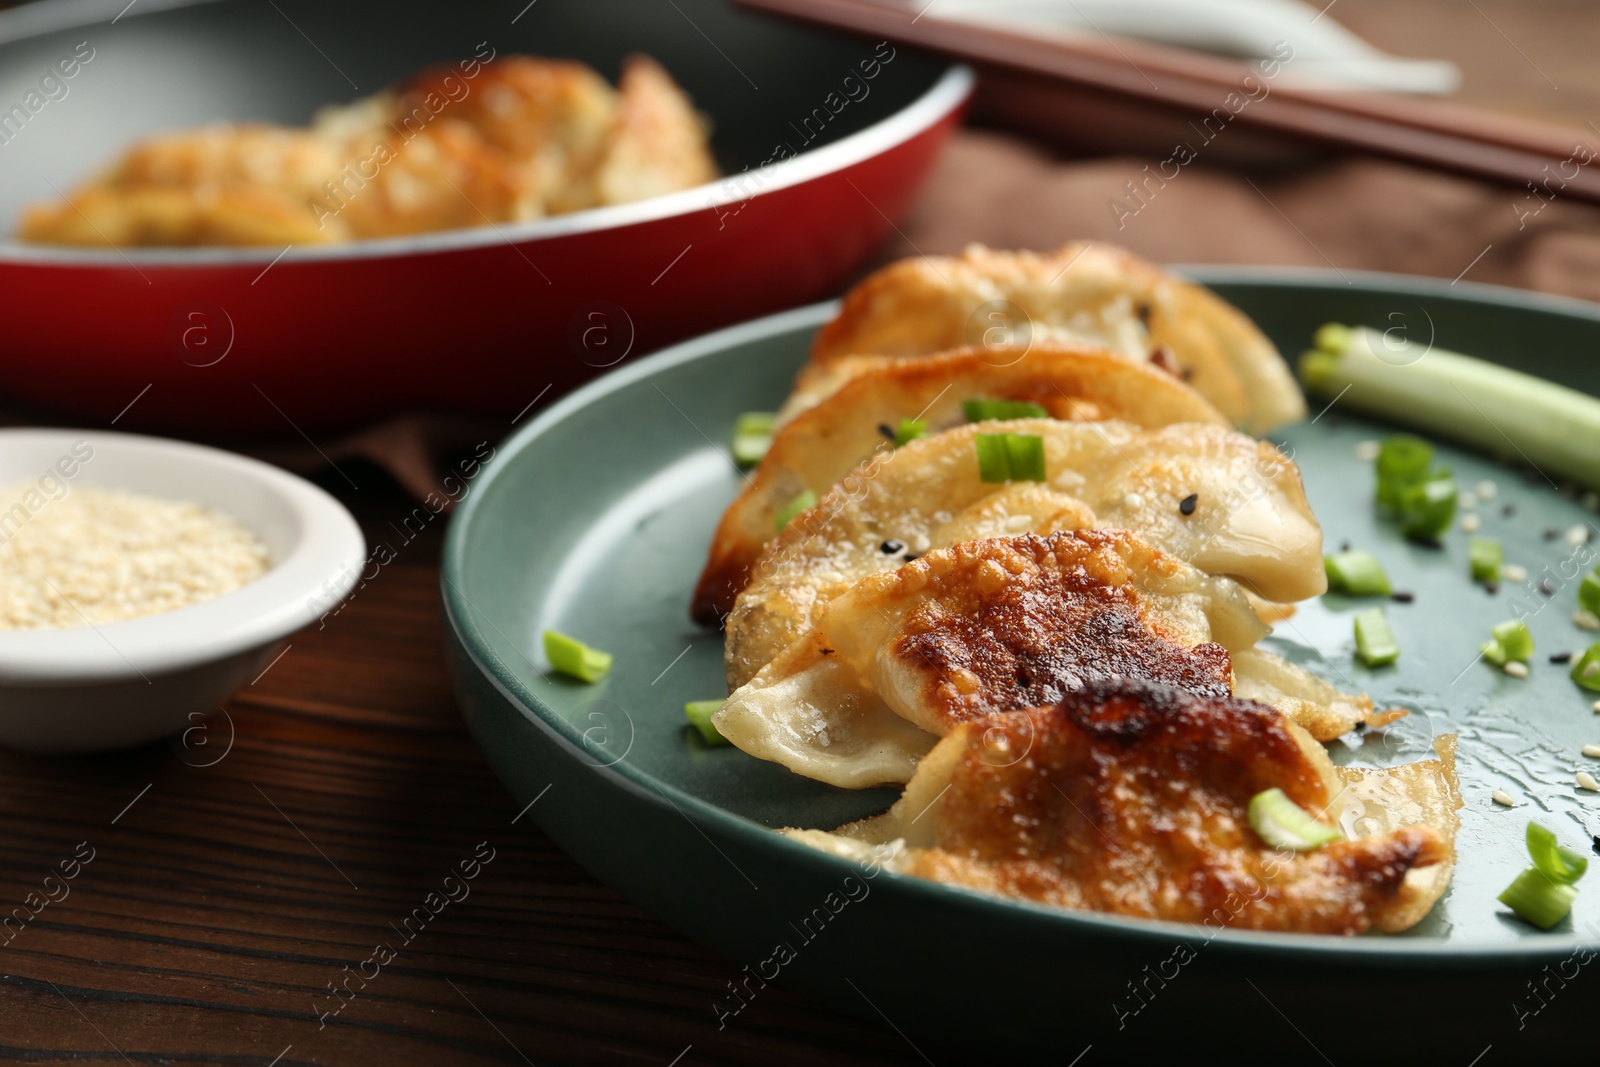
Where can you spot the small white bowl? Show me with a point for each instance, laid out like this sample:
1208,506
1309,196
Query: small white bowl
125,683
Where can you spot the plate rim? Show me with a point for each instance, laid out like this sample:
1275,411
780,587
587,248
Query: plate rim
1392,950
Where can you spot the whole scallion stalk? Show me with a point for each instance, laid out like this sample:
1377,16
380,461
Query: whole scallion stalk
1493,408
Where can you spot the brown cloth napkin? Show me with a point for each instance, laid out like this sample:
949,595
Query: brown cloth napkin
1355,214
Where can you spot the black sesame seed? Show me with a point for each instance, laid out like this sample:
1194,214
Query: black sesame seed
892,546
1361,727
887,430
1547,588
1508,511
912,555
1344,546
1491,588
1551,534
1402,596
1187,504
1561,657
1597,845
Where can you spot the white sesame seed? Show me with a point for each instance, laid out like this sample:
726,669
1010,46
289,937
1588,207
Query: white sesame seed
1466,500
1515,572
1516,669
1585,620
1596,707
1578,535
1502,798
1487,490
1592,751
1133,500
1367,451
1470,523
1586,781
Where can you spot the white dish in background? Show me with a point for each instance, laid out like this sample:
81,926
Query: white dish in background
125,683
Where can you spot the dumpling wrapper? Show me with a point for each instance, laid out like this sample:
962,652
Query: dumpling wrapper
1133,798
977,629
1250,521
1086,292
823,444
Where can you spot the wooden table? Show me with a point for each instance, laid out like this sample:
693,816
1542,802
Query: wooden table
236,877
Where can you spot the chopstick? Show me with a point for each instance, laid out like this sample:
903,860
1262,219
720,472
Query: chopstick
1189,84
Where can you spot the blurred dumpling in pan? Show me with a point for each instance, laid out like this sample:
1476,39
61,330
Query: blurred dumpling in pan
824,443
1086,292
1133,799
977,629
1248,518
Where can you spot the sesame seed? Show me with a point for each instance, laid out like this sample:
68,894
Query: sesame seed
1487,490
1586,781
1561,657
1402,596
1547,587
1551,533
1516,669
1508,510
1344,546
1492,588
1502,798
1470,523
1367,451
887,430
1515,572
1592,751
1585,620
1466,500
1133,500
1596,707
1186,506
1578,535
891,546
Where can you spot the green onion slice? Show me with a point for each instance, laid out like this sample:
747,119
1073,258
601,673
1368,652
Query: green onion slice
752,436
699,713
1375,643
981,409
575,659
1284,824
910,430
804,500
1356,573
1010,457
1486,558
1589,593
1403,460
1515,642
1586,671
1561,865
1427,508
1537,899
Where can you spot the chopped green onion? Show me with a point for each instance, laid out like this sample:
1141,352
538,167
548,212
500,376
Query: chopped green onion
1537,899
1403,460
1556,429
1282,823
752,436
1375,643
699,713
1428,507
1486,558
910,430
980,409
1010,457
574,658
1512,643
1356,573
1561,865
1586,670
804,500
1589,593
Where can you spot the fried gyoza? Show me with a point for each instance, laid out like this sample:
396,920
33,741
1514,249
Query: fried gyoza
1249,520
824,443
500,141
1132,798
976,629
1090,293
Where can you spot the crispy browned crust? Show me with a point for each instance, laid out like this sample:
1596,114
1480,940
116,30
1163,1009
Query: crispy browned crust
1132,798
824,443
522,138
1087,291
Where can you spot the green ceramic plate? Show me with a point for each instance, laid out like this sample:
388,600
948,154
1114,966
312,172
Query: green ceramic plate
594,520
